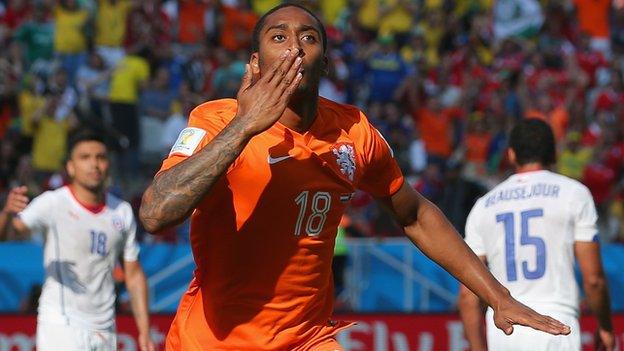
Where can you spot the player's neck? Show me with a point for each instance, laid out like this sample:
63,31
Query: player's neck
87,196
300,114
530,167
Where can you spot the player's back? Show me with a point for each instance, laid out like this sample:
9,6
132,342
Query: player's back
526,227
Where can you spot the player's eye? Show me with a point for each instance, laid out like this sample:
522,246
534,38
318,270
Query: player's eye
309,38
279,37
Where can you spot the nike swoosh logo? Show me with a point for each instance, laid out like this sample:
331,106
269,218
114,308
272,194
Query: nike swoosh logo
274,160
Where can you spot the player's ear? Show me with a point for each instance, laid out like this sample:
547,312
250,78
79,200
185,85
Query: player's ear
71,170
511,156
254,63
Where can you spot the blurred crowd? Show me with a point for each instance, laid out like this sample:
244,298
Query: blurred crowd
443,80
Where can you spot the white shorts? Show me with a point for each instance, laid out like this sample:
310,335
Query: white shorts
52,337
528,339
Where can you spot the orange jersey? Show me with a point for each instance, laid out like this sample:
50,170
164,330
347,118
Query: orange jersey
263,238
593,17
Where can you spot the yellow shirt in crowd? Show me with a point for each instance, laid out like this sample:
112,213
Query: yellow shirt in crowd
28,104
261,7
397,20
69,37
127,78
331,9
572,164
49,143
110,23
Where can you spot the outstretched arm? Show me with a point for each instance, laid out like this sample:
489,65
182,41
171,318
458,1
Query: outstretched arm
176,192
427,227
471,313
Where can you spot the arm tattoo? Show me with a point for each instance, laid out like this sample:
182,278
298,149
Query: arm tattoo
175,193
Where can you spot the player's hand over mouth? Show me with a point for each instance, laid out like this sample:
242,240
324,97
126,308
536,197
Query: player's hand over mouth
262,100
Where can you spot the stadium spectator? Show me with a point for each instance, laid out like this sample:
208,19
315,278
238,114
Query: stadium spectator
71,23
93,83
260,7
148,27
154,108
16,12
385,68
172,127
193,28
128,78
387,18
438,124
477,142
110,29
51,125
544,109
574,158
37,36
593,18
333,84
226,77
237,25
157,97
458,195
29,100
12,69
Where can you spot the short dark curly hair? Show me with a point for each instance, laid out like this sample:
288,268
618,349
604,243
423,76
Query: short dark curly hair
82,135
255,38
533,141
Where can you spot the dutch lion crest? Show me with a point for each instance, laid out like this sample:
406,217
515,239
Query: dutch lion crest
345,158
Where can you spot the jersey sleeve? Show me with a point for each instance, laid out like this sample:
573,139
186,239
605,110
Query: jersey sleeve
203,126
585,216
36,215
474,238
382,176
131,247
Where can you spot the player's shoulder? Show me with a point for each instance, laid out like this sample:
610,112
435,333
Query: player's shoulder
209,113
59,194
495,189
343,113
348,118
117,204
481,203
569,184
338,107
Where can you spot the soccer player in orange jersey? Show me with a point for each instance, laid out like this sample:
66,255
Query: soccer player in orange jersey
265,179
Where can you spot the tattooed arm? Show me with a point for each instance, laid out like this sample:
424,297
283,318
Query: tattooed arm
176,192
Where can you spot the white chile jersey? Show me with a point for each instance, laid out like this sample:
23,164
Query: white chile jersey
526,228
79,255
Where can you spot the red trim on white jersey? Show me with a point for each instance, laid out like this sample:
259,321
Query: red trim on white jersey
95,209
